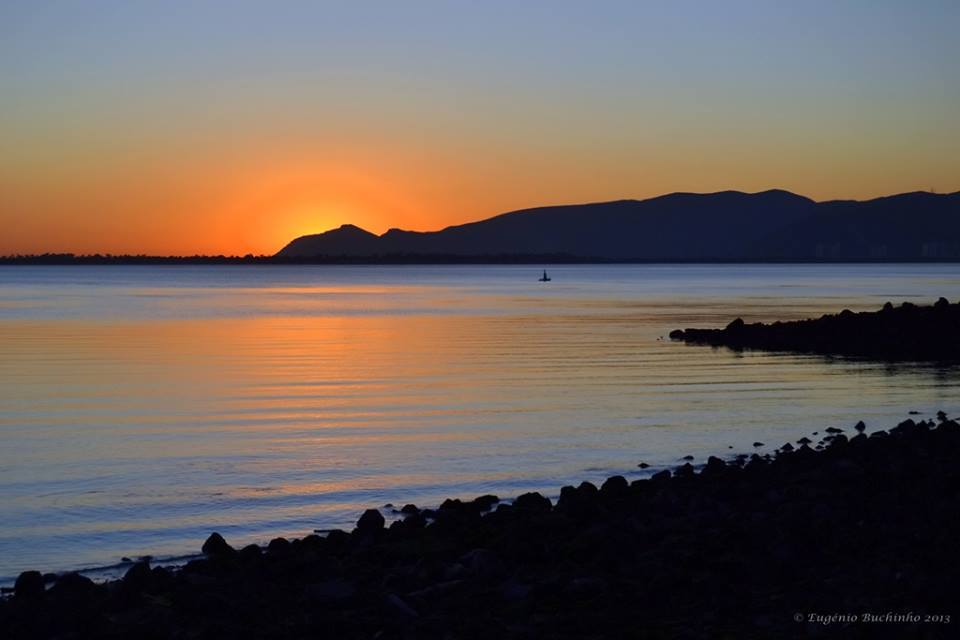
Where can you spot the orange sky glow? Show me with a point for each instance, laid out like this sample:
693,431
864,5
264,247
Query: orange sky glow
255,199
140,129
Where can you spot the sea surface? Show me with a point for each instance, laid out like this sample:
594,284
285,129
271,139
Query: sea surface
142,408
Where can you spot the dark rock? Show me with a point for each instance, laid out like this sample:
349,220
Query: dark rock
928,334
29,585
278,546
516,591
661,475
162,577
251,552
581,502
451,504
643,465
905,427
860,426
684,471
73,586
138,577
337,538
715,465
483,563
454,571
758,444
199,567
532,502
949,426
803,451
736,325
587,489
370,522
401,608
586,586
409,509
216,546
485,502
435,590
412,521
330,591
614,485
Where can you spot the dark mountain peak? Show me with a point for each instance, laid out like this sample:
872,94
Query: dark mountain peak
899,199
916,196
343,231
784,194
781,192
394,232
746,195
347,239
721,202
352,230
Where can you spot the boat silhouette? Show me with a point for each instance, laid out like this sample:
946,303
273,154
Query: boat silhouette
545,277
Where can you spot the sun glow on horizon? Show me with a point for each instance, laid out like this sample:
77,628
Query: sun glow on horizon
279,199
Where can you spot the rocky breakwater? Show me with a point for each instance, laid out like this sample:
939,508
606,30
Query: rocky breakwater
907,332
754,546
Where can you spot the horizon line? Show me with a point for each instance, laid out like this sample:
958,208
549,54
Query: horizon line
247,256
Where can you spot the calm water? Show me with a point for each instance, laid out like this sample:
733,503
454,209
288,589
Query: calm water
143,407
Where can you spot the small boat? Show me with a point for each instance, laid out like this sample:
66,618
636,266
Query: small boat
545,277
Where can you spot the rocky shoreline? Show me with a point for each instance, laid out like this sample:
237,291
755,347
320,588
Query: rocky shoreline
809,542
904,333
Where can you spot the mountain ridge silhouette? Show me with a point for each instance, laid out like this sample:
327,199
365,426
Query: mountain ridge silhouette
722,226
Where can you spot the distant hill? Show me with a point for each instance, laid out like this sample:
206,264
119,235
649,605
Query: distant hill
727,226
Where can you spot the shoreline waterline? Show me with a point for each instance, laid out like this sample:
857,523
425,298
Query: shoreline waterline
589,560
641,471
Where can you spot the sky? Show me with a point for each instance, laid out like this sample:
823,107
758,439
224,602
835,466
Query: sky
201,127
